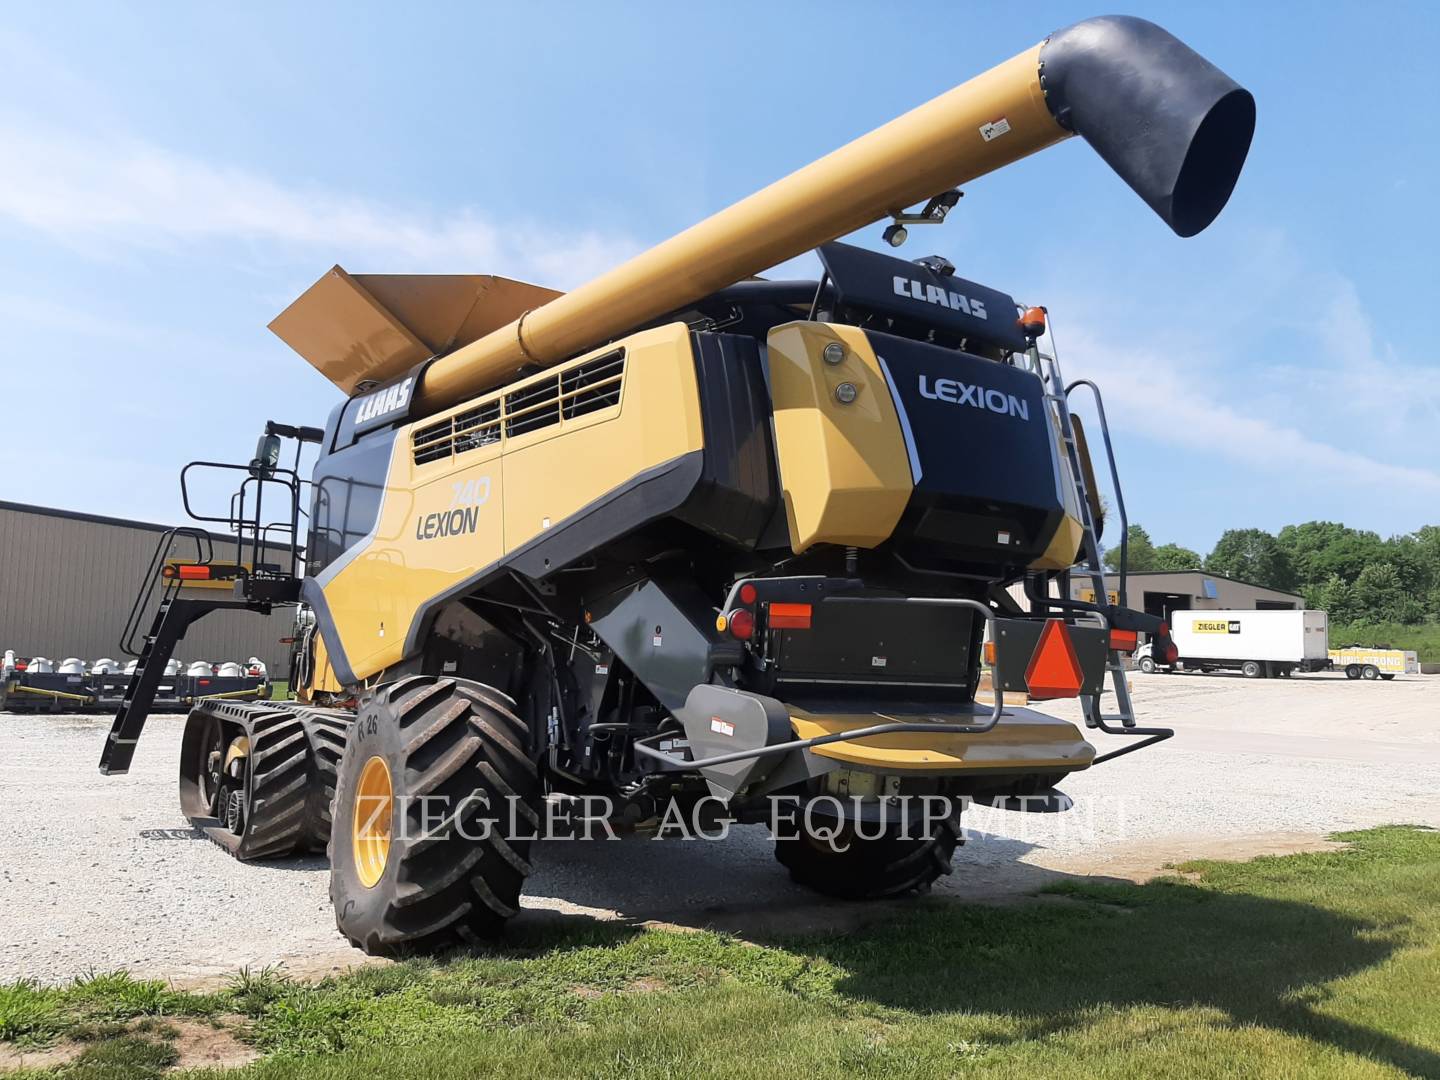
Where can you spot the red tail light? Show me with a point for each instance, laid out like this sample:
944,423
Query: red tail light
1171,653
748,593
741,624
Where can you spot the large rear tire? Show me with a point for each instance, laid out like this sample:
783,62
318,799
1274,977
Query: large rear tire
328,731
855,868
436,799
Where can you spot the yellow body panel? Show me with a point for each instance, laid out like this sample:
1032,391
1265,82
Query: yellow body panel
1023,740
844,471
1064,546
322,675
505,493
552,473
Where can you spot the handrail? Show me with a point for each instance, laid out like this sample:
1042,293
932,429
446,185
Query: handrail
1114,481
204,553
247,526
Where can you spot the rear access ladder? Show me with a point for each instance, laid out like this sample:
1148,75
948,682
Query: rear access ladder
173,616
1057,393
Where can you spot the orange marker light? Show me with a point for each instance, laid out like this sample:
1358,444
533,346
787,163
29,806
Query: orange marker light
790,616
1054,670
990,653
188,572
1124,640
1032,323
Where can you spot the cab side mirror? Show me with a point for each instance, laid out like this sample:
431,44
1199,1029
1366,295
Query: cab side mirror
267,457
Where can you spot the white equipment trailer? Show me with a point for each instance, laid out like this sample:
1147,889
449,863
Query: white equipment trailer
1259,644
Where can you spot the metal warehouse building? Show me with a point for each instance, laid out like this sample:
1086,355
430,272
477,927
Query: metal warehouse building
1159,592
68,580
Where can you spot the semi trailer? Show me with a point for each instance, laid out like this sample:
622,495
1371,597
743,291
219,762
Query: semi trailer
1258,644
686,537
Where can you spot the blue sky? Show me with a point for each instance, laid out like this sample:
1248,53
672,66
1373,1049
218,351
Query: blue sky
172,175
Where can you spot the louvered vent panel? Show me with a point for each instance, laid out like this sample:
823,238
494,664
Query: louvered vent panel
432,443
592,385
477,427
532,408
583,389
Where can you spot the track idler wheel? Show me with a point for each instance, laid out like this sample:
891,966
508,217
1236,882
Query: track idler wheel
435,801
861,865
253,804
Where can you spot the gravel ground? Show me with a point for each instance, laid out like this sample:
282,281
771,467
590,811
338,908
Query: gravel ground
100,873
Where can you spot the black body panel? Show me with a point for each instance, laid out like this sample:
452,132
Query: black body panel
878,641
912,293
738,489
662,631
987,484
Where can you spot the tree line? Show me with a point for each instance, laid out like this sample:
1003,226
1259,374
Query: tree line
1354,574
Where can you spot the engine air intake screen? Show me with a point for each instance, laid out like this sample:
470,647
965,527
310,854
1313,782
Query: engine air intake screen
570,393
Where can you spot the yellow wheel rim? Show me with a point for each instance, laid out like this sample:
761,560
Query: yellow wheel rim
370,826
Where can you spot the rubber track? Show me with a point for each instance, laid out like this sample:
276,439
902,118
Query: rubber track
279,780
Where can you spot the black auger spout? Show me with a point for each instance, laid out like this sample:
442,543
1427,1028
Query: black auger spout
1173,125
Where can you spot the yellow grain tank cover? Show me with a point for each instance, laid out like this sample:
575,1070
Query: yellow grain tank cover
1023,741
373,327
844,471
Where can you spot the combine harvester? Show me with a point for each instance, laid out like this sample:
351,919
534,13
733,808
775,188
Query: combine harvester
684,535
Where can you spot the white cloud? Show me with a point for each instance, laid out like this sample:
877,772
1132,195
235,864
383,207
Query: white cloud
113,191
1145,393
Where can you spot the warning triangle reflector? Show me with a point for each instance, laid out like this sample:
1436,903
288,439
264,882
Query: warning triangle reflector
1054,670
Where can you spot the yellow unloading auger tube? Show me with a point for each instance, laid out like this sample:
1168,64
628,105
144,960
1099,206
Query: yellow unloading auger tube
1175,127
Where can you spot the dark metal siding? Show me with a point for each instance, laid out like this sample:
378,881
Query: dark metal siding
67,582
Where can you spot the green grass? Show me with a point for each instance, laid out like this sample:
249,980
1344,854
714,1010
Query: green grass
1423,638
1323,964
279,690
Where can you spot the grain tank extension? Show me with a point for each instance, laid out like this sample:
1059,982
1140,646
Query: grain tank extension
688,539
